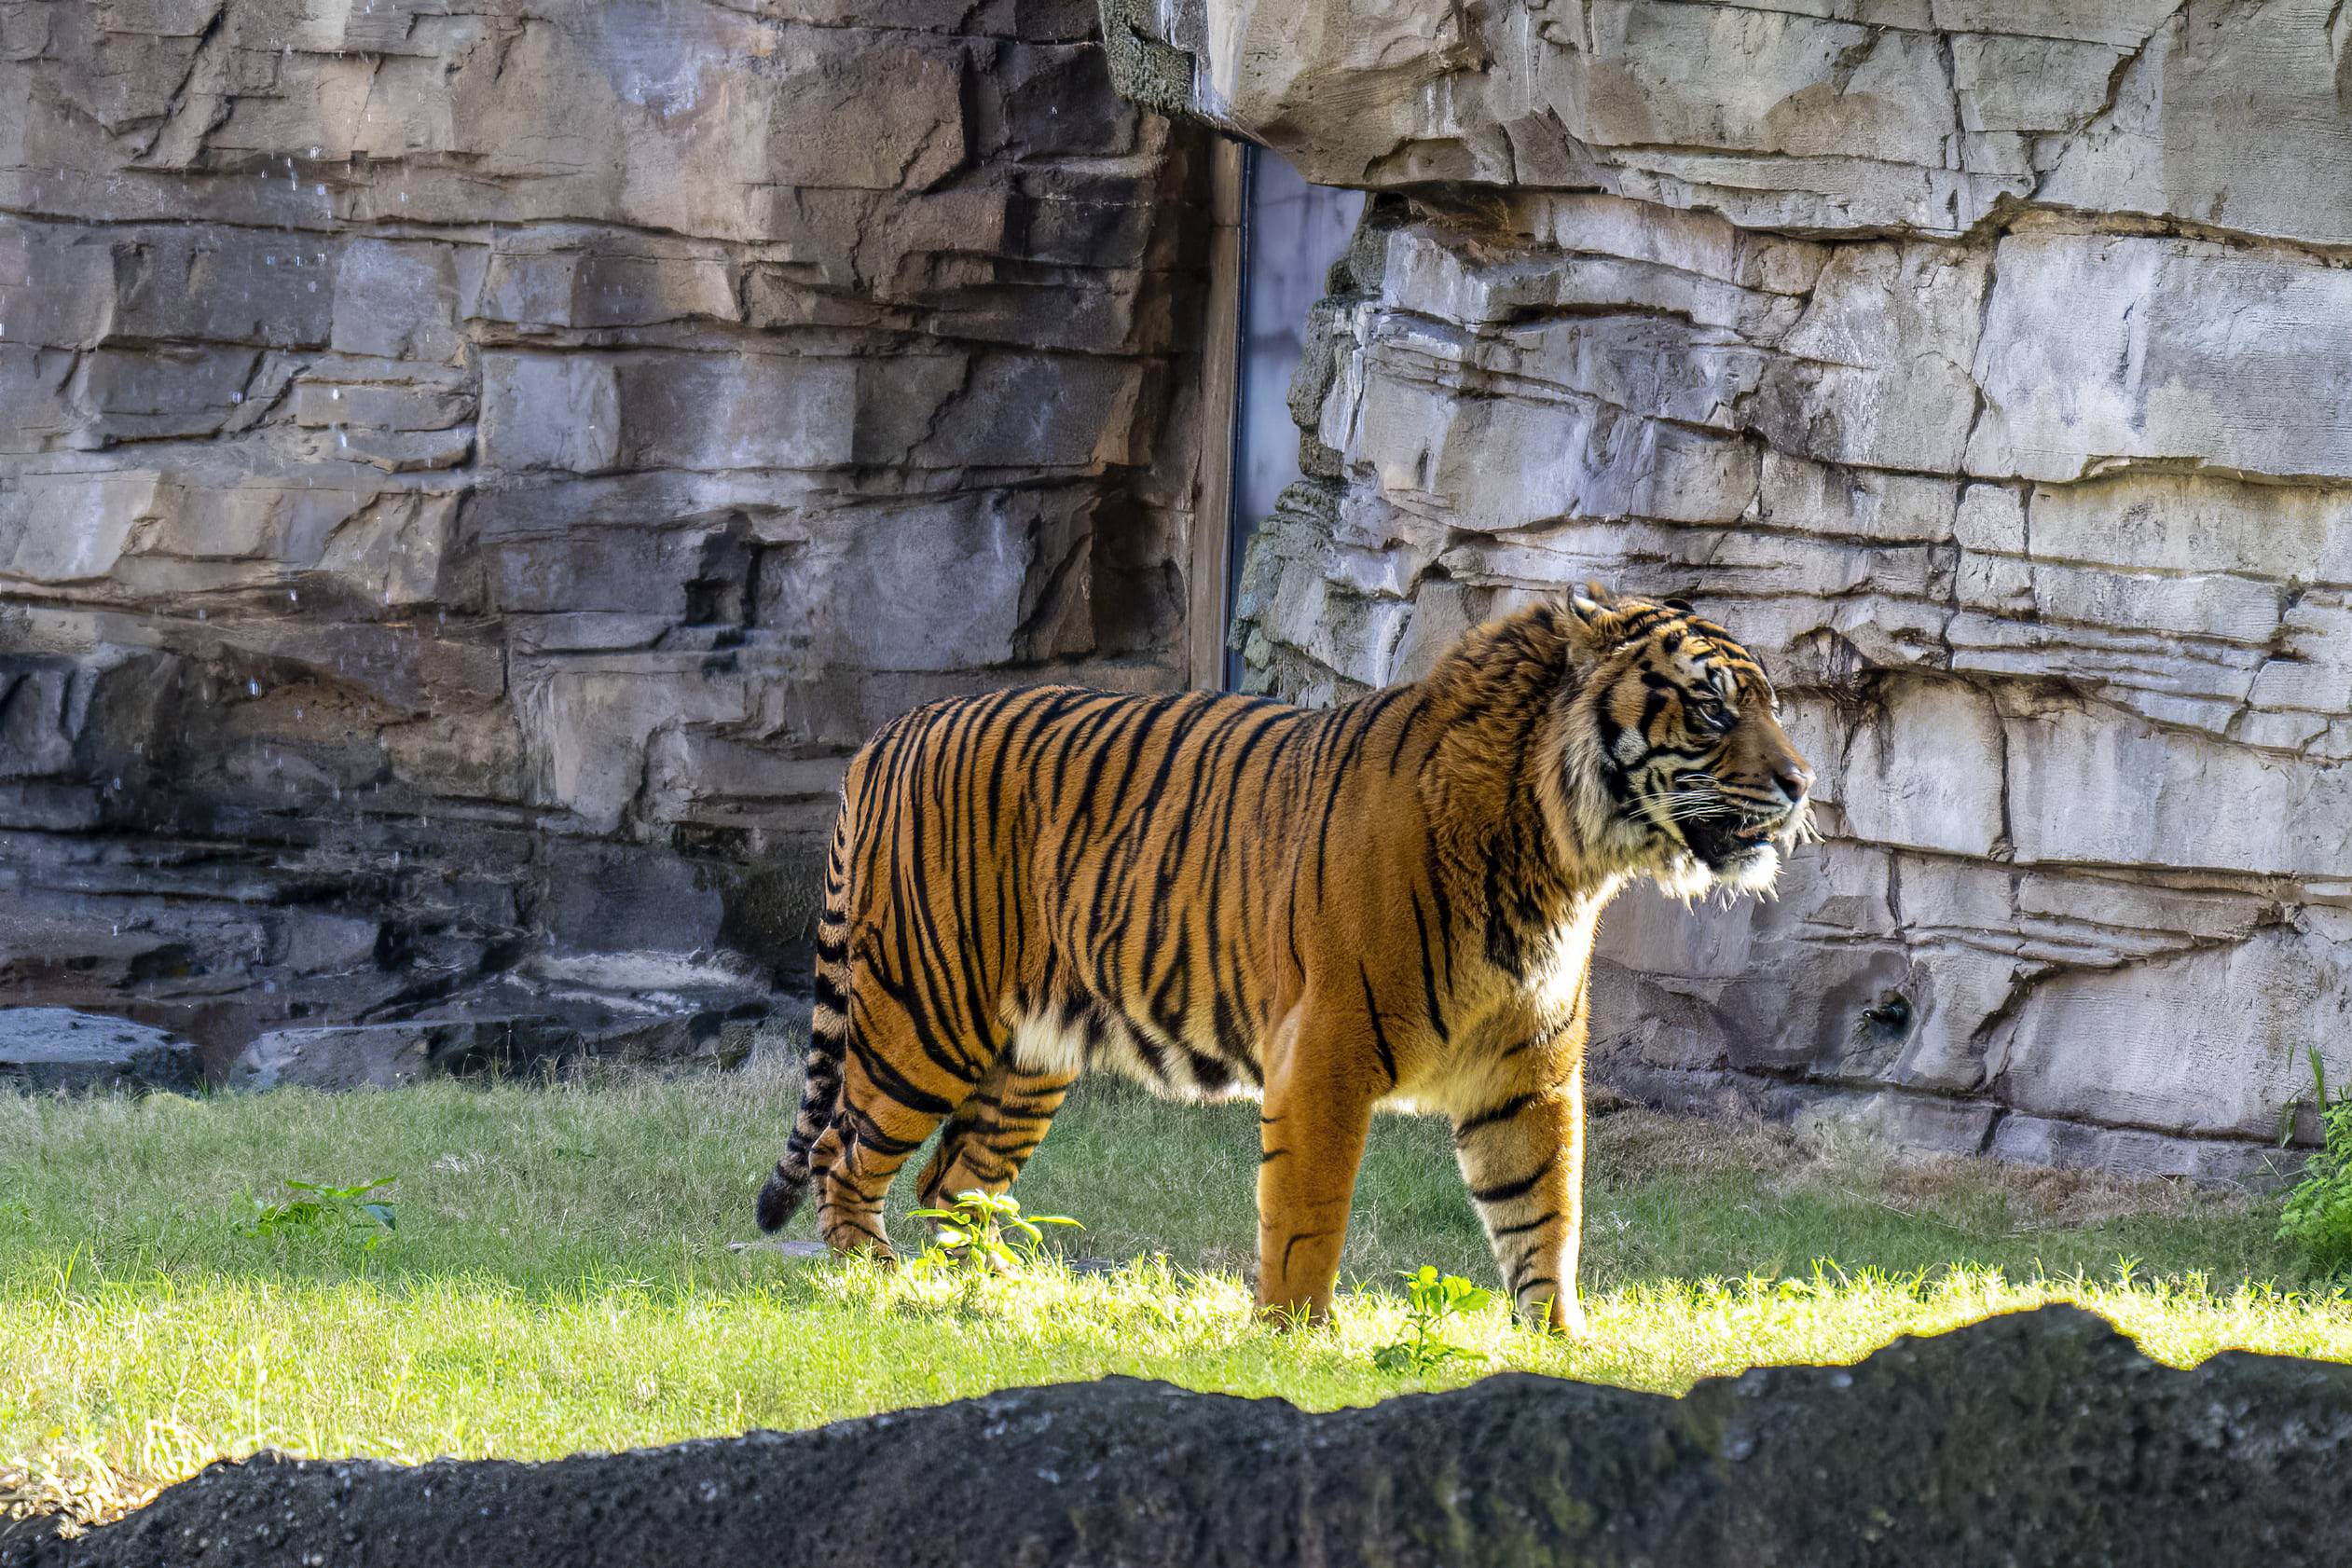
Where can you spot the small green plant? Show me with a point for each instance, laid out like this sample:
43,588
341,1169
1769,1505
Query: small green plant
2318,1218
986,1231
315,1205
1435,1301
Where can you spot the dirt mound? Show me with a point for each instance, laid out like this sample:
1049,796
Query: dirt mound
2042,1437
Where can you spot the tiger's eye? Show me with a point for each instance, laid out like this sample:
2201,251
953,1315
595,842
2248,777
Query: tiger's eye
1708,713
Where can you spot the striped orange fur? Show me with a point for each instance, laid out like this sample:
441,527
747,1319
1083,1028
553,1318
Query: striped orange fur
1389,903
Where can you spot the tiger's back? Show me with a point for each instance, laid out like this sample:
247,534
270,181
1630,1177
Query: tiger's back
1049,879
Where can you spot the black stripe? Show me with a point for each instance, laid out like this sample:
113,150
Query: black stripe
1544,1219
1380,1035
1295,1239
1428,971
1405,730
1369,710
1505,1111
894,1083
1506,1191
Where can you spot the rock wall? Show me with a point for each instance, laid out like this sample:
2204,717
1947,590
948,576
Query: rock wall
468,474
1983,363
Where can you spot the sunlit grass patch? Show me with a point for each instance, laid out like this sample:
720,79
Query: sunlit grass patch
561,1275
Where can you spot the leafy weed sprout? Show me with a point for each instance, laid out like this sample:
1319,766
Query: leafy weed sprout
2317,1221
315,1205
986,1231
1434,1301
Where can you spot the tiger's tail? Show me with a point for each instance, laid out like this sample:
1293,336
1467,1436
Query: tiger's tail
828,1038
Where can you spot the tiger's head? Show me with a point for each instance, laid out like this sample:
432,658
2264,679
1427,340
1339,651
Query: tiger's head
1677,765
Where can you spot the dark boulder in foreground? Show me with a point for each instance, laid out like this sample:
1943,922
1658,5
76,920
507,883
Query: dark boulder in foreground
2042,1437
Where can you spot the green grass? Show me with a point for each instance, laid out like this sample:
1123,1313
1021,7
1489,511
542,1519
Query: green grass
561,1277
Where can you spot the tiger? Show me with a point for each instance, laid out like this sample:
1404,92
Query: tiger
1389,903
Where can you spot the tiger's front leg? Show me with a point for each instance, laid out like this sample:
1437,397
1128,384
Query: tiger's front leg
1316,1115
1524,1156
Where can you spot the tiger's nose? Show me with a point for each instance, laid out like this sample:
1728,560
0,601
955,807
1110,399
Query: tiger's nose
1793,777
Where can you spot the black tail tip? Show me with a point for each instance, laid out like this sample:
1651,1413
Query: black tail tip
779,1199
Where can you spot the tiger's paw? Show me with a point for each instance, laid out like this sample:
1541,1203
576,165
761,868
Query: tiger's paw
1296,1317
1562,1314
859,1240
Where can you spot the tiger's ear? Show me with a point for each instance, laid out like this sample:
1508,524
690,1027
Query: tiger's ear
1598,612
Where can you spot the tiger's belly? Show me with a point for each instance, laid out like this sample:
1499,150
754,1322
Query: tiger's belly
1201,1064
1182,1058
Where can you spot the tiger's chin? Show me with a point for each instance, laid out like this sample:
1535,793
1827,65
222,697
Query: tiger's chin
1752,870
1724,855
1687,875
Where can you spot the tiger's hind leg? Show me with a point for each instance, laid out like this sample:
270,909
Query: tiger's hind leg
992,1134
895,1086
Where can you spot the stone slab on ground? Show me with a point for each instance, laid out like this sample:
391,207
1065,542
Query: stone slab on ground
380,1056
46,1049
550,1013
390,1055
2033,1439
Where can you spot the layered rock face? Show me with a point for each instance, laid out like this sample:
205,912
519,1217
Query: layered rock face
469,474
1981,363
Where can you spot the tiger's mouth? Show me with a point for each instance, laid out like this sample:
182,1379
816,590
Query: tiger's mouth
1725,836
